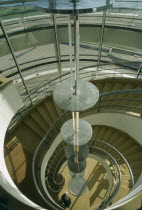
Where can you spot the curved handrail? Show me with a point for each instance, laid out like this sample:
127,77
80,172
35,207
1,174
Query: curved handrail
110,157
55,156
50,130
20,112
128,166
119,179
122,18
34,160
55,172
48,133
36,93
81,68
65,113
53,190
116,150
66,60
48,172
86,67
121,92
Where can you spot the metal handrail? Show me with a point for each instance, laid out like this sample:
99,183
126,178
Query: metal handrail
48,172
121,92
55,172
68,73
109,157
82,68
50,130
63,115
122,156
63,60
124,64
53,190
117,151
35,157
36,93
45,200
20,112
110,16
119,179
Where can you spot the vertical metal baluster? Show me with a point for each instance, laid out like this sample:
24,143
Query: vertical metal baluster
139,71
15,60
102,38
70,49
57,47
114,71
76,50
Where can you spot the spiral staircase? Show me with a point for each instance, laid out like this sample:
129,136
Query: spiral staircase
33,171
36,125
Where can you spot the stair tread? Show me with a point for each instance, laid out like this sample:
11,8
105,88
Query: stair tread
33,125
32,138
43,112
122,192
51,108
39,120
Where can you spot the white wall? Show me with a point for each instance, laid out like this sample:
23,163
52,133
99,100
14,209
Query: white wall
130,124
125,122
10,102
45,160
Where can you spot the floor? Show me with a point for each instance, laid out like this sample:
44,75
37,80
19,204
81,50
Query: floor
91,199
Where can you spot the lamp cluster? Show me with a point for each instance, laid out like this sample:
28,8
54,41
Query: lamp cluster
75,95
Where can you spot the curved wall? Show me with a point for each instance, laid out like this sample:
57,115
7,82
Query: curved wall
10,102
130,124
127,123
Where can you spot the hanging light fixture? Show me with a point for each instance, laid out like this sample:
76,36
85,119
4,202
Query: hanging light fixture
75,95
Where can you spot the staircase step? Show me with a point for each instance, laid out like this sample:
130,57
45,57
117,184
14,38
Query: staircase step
124,148
107,87
117,86
43,112
132,149
126,184
126,177
99,85
102,132
51,108
135,156
120,140
39,120
126,87
116,135
96,131
24,132
136,173
136,164
108,134
34,126
122,192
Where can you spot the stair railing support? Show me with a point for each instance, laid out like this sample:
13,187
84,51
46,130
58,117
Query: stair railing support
15,60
